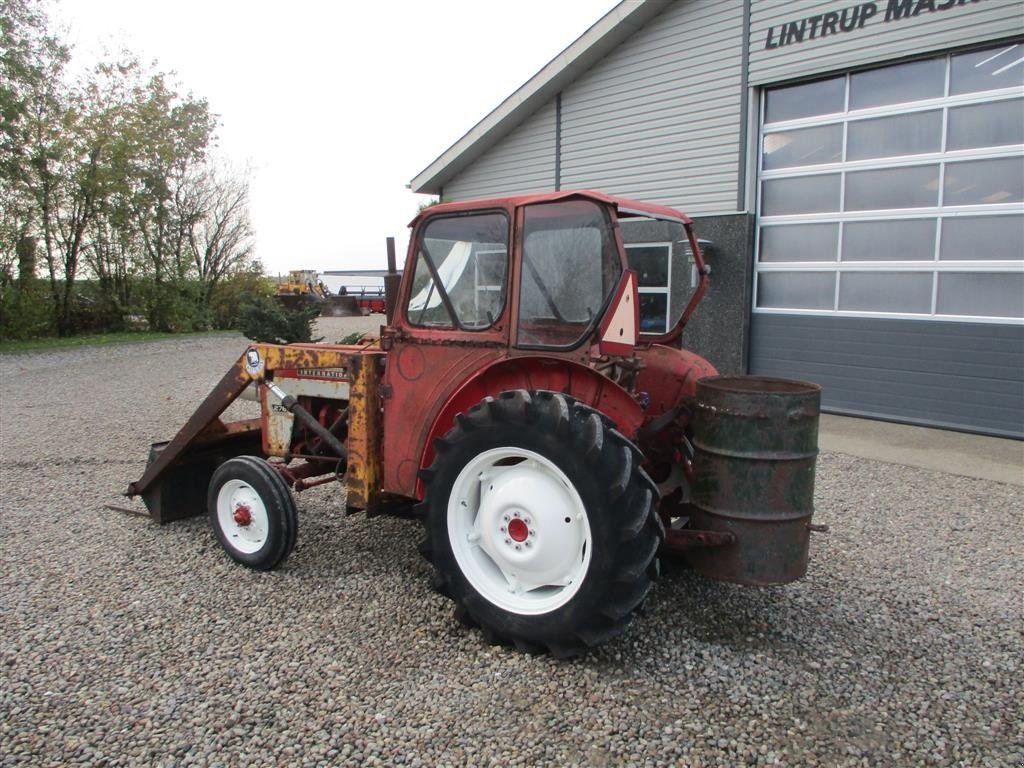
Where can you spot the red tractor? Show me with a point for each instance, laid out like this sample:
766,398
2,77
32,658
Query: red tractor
551,448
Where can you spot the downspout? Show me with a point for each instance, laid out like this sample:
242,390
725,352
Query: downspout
558,142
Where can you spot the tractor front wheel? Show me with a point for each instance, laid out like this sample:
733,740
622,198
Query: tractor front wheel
252,512
541,523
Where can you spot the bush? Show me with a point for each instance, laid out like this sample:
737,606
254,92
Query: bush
26,312
268,320
232,295
172,307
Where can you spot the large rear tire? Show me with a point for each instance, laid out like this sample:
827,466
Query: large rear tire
540,523
252,512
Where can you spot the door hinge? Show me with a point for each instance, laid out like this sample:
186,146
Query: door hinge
388,334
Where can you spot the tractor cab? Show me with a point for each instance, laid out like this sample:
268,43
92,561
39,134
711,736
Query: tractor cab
579,263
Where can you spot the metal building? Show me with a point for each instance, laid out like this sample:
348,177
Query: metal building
858,167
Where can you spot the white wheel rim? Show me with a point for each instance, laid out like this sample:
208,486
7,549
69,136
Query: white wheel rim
242,517
519,531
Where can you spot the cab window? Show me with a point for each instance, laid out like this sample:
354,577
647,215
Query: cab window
461,272
570,268
659,252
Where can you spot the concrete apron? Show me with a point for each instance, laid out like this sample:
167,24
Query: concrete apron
958,453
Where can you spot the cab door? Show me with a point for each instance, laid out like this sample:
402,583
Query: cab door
570,267
452,319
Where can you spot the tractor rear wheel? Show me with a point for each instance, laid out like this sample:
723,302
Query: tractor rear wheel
252,512
540,522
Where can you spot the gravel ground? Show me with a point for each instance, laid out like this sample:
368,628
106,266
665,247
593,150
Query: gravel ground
125,643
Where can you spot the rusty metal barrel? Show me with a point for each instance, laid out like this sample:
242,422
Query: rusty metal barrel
755,447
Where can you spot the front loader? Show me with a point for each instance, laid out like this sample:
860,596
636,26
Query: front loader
552,436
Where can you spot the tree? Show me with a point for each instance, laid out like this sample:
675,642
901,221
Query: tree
31,72
172,134
23,312
110,177
31,62
243,287
220,238
74,146
151,194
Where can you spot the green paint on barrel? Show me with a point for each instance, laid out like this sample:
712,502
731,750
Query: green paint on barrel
756,444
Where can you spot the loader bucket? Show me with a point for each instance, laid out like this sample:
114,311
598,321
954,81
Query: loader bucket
180,490
179,471
341,306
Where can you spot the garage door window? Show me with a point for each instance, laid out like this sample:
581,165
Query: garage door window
897,191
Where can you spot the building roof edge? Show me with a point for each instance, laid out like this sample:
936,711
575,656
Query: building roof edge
606,33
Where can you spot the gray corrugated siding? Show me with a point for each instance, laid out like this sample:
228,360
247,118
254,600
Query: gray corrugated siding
966,376
658,118
877,41
524,161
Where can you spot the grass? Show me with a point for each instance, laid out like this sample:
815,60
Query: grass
94,340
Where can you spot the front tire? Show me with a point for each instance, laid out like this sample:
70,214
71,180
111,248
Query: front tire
540,523
252,512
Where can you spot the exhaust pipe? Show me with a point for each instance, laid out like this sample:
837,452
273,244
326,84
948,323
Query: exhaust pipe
391,282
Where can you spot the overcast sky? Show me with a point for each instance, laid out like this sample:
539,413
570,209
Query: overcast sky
335,106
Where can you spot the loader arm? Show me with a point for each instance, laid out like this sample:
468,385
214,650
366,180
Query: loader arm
203,421
173,485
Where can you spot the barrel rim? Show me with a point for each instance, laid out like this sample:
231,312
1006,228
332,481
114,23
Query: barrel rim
764,385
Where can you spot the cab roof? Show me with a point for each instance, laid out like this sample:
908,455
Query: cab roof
623,205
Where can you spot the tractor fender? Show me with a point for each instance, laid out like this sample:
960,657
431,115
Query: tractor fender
667,385
536,373
669,375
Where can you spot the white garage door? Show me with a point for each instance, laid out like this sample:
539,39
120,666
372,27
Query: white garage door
891,238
